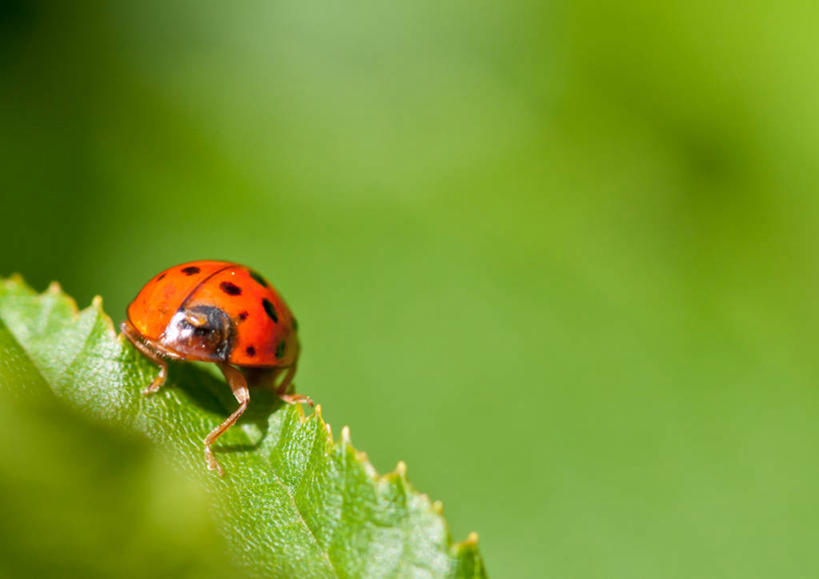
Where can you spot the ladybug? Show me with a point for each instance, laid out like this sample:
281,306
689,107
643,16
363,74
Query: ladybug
220,312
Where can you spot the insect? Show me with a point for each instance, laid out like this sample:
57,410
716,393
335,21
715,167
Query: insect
220,312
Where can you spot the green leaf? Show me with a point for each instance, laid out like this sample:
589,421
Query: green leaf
295,502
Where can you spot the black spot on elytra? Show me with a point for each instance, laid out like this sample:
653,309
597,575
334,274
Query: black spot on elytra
280,349
259,279
243,316
295,324
271,311
161,276
251,351
230,289
190,270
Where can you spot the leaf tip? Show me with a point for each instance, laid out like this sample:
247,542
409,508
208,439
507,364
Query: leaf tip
345,435
15,278
96,302
471,539
438,507
54,288
401,469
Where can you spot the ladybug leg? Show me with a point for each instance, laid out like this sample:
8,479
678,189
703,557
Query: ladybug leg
282,393
238,385
133,336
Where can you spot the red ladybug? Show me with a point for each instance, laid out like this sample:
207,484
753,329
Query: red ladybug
220,312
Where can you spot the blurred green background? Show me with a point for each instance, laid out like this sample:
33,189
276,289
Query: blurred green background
558,257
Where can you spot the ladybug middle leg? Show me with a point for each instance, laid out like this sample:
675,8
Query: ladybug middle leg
282,392
131,333
238,385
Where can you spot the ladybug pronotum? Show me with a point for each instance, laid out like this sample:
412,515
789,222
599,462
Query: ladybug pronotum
220,312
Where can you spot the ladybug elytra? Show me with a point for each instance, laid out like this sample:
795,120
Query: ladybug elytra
220,312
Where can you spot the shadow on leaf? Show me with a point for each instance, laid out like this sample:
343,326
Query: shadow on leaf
210,393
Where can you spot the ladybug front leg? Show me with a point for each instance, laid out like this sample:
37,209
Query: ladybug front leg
238,385
131,333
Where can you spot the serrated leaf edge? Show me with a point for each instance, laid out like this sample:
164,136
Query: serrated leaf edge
344,440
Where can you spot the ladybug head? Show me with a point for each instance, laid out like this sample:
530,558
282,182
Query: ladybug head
200,332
